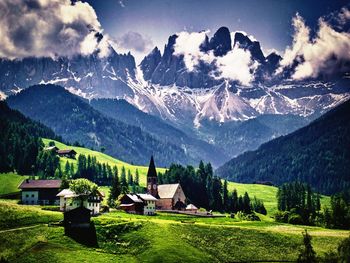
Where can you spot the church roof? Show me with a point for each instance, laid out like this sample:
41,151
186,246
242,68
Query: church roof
151,169
167,190
147,197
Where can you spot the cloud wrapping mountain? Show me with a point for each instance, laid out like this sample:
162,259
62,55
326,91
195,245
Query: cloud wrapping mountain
326,54
49,28
134,41
236,64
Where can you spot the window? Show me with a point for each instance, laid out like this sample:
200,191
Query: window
33,202
32,195
27,195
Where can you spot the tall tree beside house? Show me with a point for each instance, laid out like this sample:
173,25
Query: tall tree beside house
123,182
72,171
130,178
137,177
67,172
225,197
83,188
234,202
115,190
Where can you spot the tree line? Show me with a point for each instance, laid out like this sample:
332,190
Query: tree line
205,190
20,141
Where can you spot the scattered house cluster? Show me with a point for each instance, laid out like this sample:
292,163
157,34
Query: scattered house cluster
161,197
68,153
40,192
70,200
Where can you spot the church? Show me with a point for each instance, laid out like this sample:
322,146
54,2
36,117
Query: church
170,196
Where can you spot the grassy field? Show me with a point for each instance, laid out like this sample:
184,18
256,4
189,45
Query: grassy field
162,238
266,193
9,182
103,158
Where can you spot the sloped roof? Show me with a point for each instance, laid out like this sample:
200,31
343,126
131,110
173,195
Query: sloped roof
33,184
147,197
167,190
191,207
67,193
152,172
134,198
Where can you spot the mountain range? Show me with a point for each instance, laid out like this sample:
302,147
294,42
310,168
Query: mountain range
204,113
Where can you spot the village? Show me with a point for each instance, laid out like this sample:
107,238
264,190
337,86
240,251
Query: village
158,197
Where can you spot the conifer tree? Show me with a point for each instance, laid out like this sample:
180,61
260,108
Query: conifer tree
307,255
137,177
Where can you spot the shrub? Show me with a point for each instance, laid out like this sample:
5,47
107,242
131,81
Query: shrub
295,219
282,216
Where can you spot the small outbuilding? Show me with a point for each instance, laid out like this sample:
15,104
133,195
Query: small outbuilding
191,208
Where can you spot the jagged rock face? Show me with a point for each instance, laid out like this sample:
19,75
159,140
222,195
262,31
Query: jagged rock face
91,74
150,62
220,43
253,46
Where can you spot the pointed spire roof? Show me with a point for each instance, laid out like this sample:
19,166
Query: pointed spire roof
152,169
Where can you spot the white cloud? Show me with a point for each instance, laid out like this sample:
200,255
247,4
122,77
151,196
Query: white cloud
134,41
325,54
49,28
188,45
235,65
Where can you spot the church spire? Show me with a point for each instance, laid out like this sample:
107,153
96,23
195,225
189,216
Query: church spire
151,169
152,184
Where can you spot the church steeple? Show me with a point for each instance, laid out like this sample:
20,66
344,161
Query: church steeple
152,184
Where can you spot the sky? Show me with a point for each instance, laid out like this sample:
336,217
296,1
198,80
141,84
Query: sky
139,25
316,34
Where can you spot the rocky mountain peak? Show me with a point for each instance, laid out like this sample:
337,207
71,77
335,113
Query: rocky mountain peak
221,42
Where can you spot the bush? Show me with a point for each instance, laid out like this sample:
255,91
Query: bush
295,219
282,216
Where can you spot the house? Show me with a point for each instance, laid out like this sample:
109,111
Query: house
170,196
192,208
40,192
69,201
67,153
143,204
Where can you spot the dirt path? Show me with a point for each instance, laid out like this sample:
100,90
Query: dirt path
21,228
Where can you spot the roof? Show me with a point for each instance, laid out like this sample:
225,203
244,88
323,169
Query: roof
67,193
66,151
134,198
147,197
167,190
51,148
191,207
152,172
44,184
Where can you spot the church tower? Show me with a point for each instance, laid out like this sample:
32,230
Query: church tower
152,184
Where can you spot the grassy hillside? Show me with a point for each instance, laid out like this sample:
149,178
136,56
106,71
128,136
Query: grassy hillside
163,238
266,193
103,158
318,154
9,182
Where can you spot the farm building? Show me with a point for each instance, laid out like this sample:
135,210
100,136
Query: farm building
67,153
170,196
69,201
40,192
191,208
139,204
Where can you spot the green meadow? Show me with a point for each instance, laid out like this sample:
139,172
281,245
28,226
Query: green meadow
103,158
162,238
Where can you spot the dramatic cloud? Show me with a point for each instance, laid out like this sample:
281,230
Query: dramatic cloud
49,28
326,54
134,41
235,65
